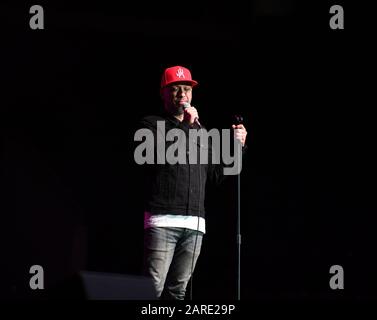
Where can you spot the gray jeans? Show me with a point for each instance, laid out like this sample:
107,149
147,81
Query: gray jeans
170,255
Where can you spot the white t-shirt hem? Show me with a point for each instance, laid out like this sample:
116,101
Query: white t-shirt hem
174,221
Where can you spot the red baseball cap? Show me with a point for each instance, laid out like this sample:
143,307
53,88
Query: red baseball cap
177,74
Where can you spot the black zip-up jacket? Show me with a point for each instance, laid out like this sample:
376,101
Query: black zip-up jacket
177,188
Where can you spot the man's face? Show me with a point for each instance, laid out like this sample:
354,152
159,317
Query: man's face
175,95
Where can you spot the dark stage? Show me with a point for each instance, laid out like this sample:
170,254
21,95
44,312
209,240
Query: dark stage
73,93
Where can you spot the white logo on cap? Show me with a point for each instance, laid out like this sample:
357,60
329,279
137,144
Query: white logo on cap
180,73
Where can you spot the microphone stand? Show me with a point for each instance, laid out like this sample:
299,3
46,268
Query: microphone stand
239,236
239,120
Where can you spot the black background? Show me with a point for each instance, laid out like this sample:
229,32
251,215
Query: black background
73,92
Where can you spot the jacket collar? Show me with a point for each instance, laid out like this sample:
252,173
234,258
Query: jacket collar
171,118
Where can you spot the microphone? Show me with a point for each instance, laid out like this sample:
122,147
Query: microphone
186,105
238,119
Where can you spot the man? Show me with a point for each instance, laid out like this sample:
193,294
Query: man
174,218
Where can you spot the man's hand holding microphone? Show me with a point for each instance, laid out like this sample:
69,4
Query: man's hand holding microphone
191,116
